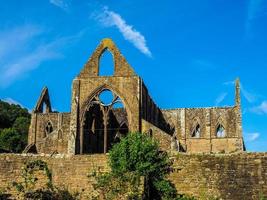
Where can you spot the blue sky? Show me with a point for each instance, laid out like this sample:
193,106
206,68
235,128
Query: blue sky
188,52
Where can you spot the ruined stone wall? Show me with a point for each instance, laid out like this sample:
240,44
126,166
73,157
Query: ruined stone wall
125,87
184,121
162,137
229,176
152,113
85,89
67,172
57,140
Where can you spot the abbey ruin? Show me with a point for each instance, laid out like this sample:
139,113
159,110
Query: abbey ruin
205,144
93,125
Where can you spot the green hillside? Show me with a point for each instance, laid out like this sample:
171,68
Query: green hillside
14,125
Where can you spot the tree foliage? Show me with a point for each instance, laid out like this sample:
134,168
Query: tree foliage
9,113
14,125
137,165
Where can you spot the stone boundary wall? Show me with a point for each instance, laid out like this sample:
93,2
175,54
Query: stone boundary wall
240,176
68,172
228,176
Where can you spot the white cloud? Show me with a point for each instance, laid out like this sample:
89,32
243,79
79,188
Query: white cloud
27,63
13,39
261,109
249,96
250,137
220,98
256,9
11,101
63,4
229,83
109,18
29,56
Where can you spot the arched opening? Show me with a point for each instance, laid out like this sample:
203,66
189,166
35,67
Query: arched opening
104,123
220,131
196,132
44,108
48,128
106,64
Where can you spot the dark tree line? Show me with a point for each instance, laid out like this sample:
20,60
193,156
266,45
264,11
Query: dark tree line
14,125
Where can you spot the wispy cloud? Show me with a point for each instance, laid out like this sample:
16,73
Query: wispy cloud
109,18
63,4
261,109
256,9
250,137
249,96
220,98
13,39
11,101
27,63
30,56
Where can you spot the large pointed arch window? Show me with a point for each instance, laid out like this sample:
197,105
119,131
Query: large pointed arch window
220,131
196,131
104,123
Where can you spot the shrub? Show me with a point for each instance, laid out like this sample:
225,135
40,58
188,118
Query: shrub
137,166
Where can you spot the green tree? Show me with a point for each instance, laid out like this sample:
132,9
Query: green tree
22,124
11,140
9,113
14,125
137,157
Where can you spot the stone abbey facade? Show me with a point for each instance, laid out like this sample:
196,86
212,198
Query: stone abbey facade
94,124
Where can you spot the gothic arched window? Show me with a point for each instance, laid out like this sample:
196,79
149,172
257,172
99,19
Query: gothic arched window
48,128
104,122
196,132
106,64
220,132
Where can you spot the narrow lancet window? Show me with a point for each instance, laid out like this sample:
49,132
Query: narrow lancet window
48,128
196,132
106,64
220,131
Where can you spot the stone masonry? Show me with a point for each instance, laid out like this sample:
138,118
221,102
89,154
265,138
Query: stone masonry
239,176
93,126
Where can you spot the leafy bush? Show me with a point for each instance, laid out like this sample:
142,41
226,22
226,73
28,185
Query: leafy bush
137,166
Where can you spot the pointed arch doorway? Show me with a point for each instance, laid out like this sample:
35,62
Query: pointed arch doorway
104,123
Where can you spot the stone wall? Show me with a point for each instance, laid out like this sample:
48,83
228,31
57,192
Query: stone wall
229,176
185,120
69,172
162,137
71,129
57,140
